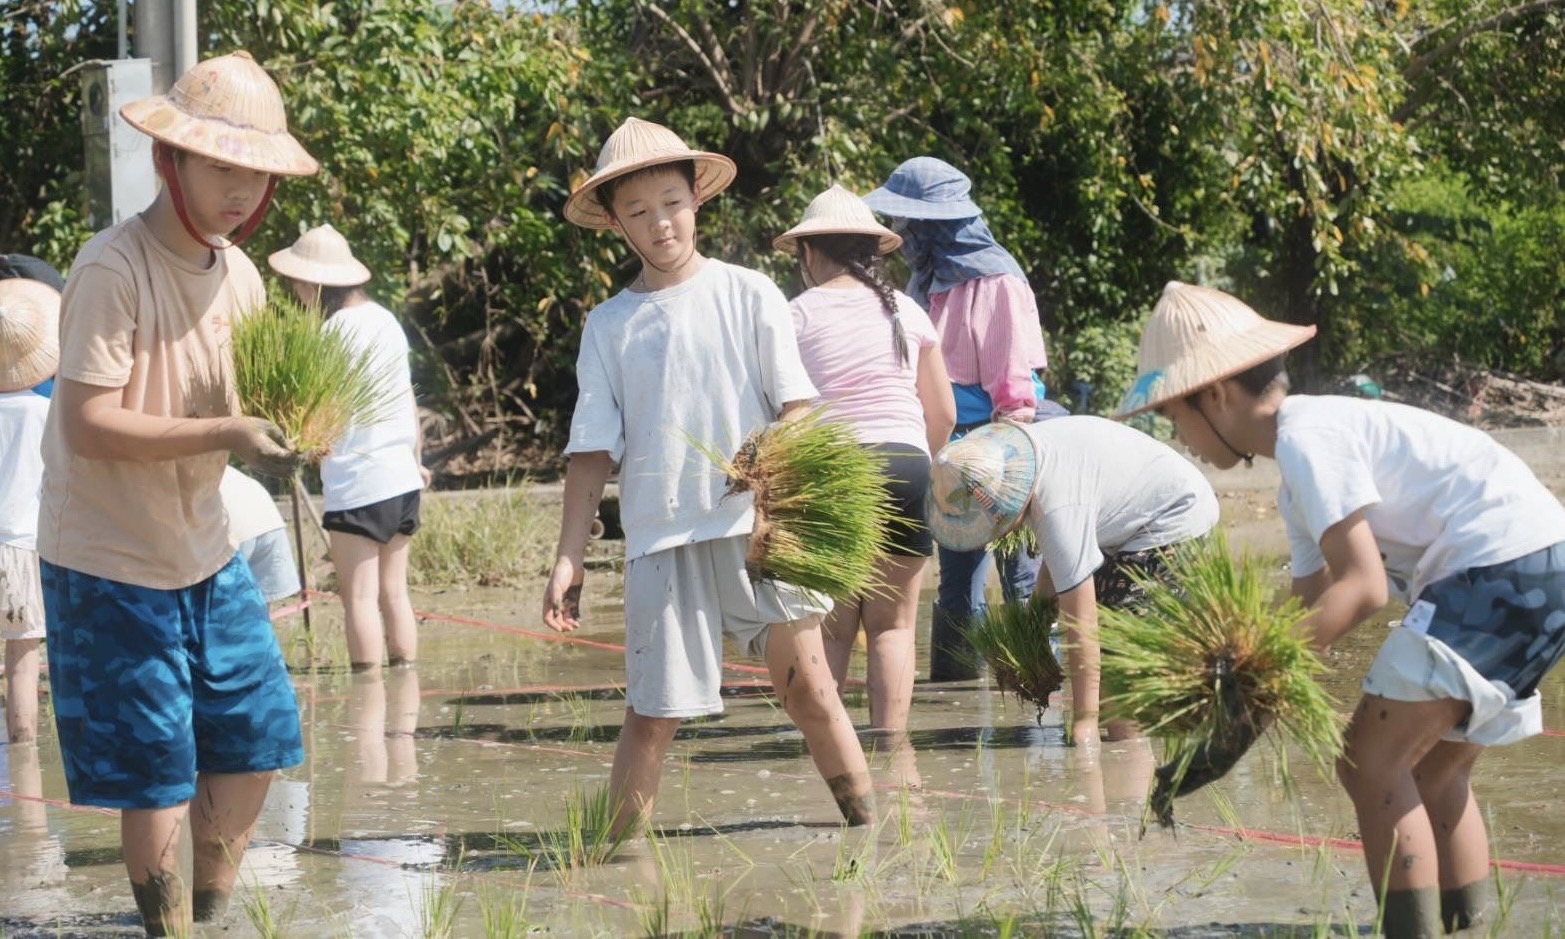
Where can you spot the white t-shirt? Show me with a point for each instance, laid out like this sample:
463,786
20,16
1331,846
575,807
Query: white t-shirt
374,462
845,340
662,374
1105,489
252,511
22,417
1440,497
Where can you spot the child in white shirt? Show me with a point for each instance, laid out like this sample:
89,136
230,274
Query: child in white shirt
1381,499
695,351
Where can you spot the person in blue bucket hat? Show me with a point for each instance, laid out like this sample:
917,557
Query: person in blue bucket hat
985,314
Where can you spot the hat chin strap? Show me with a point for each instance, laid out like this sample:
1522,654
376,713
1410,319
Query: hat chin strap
163,157
1248,458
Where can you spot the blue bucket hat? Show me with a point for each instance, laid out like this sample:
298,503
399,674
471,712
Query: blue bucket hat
979,486
925,188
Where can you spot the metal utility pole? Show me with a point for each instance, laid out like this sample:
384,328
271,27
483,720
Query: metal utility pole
166,34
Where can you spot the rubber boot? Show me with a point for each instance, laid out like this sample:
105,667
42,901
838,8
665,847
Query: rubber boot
950,656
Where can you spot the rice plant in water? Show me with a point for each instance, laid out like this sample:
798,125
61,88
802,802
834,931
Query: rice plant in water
1210,661
304,378
1013,638
821,514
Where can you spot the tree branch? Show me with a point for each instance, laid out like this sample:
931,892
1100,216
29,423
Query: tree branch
1421,63
719,78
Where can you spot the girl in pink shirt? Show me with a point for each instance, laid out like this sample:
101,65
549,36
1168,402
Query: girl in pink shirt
983,310
874,356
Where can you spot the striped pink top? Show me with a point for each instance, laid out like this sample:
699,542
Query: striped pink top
990,336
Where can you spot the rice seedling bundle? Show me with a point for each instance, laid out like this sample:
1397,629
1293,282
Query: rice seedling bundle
304,378
821,514
1019,540
1209,661
1014,639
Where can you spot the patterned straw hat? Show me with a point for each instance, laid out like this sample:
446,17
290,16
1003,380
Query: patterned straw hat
29,333
320,256
636,145
1198,336
979,486
838,212
226,108
925,188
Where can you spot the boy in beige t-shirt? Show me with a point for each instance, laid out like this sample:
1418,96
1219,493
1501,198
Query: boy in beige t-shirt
168,682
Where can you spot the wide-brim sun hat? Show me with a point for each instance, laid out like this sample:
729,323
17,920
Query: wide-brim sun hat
637,145
979,486
320,256
226,108
925,188
1197,336
29,333
837,211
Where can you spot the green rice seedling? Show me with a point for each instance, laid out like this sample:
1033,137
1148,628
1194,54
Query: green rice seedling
1019,540
821,514
258,910
588,838
491,539
855,858
1013,638
1208,662
439,904
305,379
504,912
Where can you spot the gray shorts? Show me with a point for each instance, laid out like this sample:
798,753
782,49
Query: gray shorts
1486,636
21,597
679,604
271,561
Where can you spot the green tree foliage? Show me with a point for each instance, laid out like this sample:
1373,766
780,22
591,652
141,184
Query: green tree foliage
1387,171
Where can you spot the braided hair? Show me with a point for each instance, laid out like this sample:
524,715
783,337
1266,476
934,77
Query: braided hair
859,255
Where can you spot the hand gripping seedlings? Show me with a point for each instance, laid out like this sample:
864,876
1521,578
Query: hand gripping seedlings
820,505
1208,662
304,378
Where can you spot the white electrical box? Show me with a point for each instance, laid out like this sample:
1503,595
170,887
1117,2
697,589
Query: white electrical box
119,176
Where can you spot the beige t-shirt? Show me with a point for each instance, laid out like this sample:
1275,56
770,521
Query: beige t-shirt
137,317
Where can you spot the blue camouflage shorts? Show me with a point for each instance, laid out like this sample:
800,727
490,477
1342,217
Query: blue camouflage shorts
153,686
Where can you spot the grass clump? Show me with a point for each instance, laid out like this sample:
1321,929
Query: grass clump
1013,638
821,514
304,378
488,539
1208,662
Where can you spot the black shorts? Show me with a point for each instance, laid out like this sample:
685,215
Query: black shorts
1113,584
907,485
378,521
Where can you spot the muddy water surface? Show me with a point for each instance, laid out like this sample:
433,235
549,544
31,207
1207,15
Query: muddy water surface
430,797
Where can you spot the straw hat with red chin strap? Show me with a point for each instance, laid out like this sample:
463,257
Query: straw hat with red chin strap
227,109
29,333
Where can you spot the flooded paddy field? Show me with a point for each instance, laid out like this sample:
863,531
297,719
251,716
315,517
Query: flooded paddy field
433,802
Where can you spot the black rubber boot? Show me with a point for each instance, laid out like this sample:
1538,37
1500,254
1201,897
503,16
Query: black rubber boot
950,656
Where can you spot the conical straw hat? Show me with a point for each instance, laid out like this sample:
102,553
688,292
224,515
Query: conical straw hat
320,256
979,486
838,212
636,145
29,333
1197,336
226,108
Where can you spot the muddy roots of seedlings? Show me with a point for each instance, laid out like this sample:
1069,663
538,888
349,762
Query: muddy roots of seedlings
1013,639
1208,661
821,514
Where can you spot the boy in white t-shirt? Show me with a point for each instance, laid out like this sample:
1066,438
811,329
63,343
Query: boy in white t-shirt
695,350
1103,501
1384,499
29,355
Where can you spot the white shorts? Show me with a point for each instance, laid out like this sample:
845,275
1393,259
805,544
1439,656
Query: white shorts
679,604
21,594
1411,666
